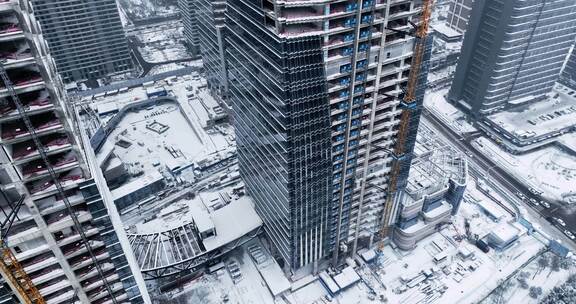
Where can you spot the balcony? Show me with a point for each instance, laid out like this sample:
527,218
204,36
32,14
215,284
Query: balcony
65,240
91,270
102,293
33,102
16,54
39,262
93,285
57,222
79,248
31,253
51,204
305,29
302,14
27,151
80,262
22,233
17,131
63,296
46,275
121,297
59,162
9,25
45,187
24,80
53,287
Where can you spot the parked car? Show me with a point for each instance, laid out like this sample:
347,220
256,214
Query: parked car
560,222
569,234
545,204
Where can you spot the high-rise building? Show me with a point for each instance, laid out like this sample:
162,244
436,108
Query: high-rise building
211,18
568,76
85,37
189,19
58,243
316,90
459,14
513,53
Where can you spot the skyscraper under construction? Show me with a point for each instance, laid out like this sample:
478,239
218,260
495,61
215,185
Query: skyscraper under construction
326,97
58,242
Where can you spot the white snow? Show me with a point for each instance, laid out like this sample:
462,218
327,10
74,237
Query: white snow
137,184
346,278
435,102
549,169
541,118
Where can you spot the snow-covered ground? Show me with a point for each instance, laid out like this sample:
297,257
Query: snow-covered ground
185,139
161,42
213,288
436,103
454,279
542,118
548,169
545,272
157,69
144,9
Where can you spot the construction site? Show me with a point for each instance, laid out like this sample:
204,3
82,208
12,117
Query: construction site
181,201
134,195
456,253
58,243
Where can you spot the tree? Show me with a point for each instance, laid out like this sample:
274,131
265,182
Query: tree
543,262
535,292
555,263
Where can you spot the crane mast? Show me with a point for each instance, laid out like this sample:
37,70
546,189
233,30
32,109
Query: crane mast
408,105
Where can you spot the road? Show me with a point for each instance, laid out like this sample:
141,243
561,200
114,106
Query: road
483,167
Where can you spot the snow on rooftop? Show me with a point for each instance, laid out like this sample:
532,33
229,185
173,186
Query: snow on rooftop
137,184
346,278
491,209
106,108
202,218
443,29
504,233
232,222
275,278
536,119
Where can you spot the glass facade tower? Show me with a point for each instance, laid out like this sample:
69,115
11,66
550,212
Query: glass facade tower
513,52
316,89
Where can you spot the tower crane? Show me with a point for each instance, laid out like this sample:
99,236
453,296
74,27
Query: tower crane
408,104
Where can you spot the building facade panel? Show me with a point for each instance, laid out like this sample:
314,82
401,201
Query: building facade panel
85,37
513,53
314,88
61,234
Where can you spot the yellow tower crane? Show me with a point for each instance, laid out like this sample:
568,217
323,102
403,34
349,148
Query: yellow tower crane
409,99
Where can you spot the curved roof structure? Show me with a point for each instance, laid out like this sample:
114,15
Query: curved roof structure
181,248
167,248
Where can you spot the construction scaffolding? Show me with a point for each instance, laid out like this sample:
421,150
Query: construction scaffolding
10,265
409,105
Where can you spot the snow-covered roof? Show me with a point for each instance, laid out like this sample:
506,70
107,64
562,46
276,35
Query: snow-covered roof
504,233
492,210
347,277
368,255
109,107
202,219
179,244
444,30
232,222
137,184
329,282
275,279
